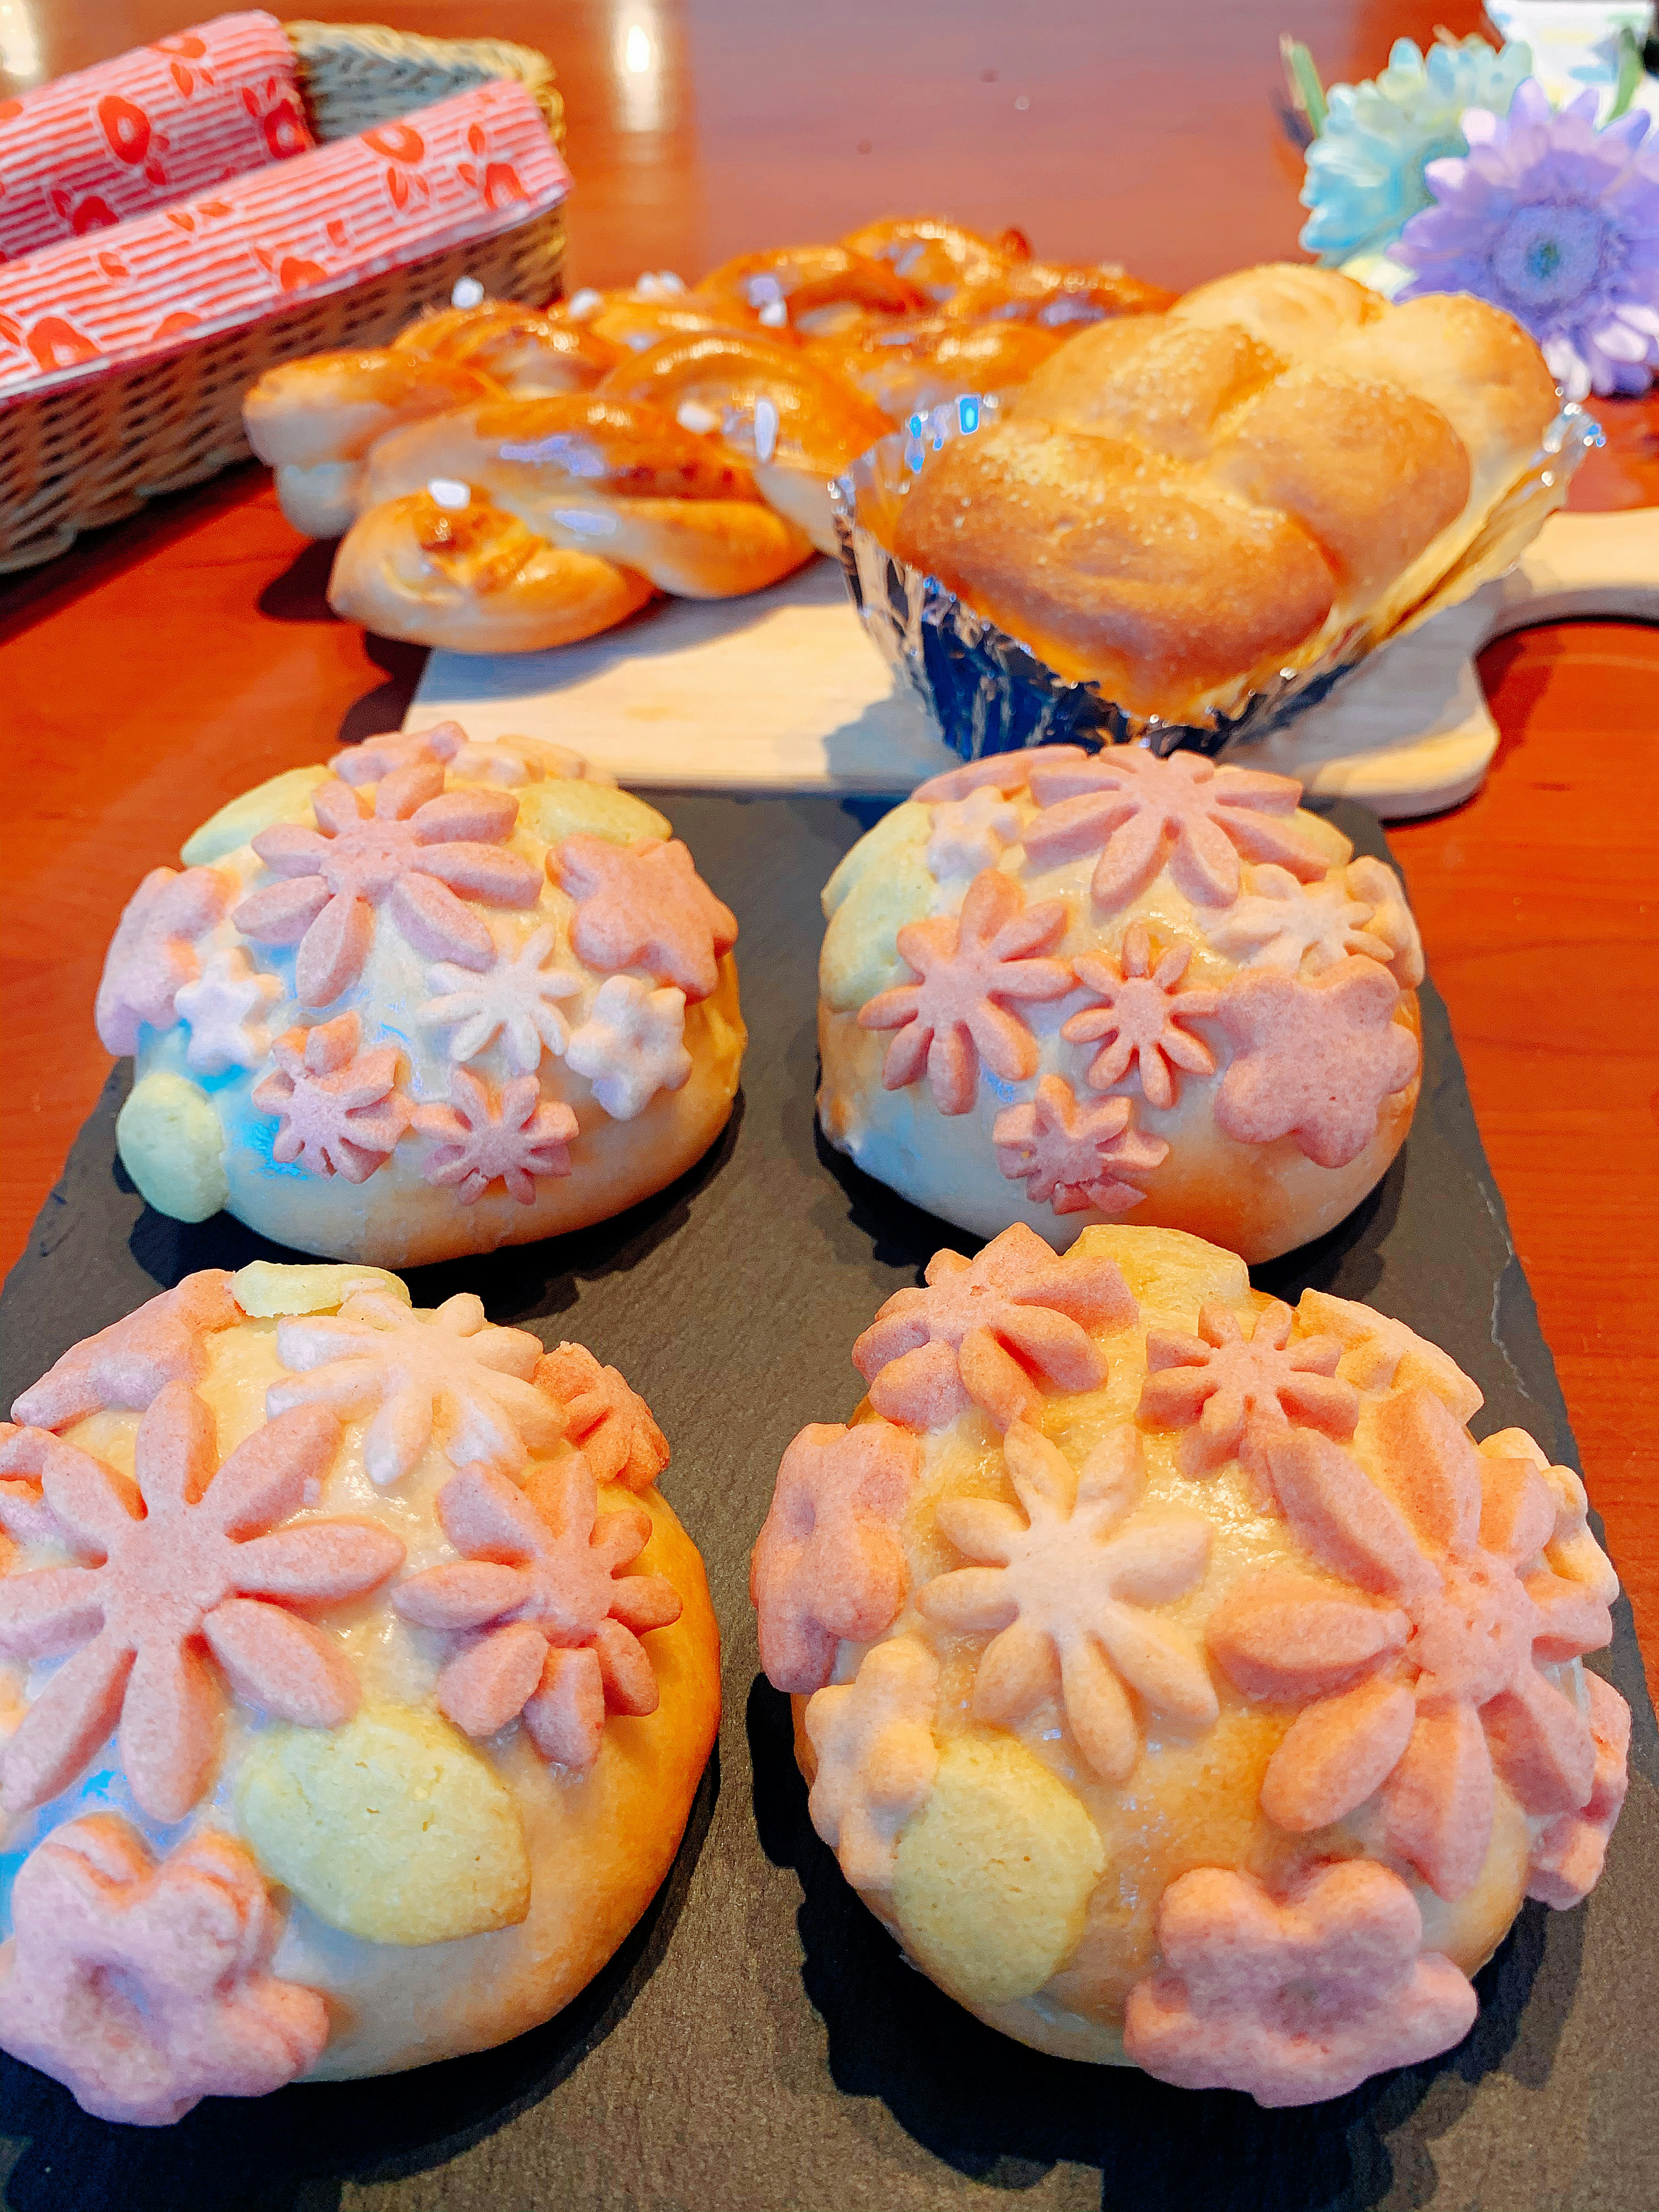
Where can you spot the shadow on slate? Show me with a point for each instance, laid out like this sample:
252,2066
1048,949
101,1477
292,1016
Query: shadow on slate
759,2045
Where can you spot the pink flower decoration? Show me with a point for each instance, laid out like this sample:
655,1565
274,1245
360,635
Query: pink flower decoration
1422,1677
154,952
1068,1589
1140,813
1312,1057
339,1110
829,1563
1070,1156
1231,1394
420,847
1568,1854
1296,2001
127,1364
144,1988
983,1328
541,1574
1139,1017
1003,773
513,1137
189,1557
609,1423
506,761
644,906
967,967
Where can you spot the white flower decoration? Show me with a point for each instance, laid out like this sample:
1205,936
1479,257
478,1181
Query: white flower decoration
225,1007
1279,922
516,996
451,1374
632,1045
970,834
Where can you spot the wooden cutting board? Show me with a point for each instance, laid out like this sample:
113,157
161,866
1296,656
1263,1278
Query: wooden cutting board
782,691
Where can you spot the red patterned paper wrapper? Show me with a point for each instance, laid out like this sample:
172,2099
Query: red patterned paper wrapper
464,169
152,126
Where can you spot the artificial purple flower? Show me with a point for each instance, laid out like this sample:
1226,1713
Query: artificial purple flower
1558,223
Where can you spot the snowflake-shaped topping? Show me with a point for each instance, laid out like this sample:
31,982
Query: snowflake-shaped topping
1373,882
829,1563
162,1342
449,1373
1139,1017
1070,1157
510,1138
513,998
338,1111
1140,813
611,1424
145,1988
506,761
982,1328
877,1758
1297,2001
1569,1852
1068,1589
970,834
543,1575
1231,1394
1424,1676
1313,1060
185,1562
966,966
420,845
154,952
1281,923
644,906
632,1045
1003,773
226,1006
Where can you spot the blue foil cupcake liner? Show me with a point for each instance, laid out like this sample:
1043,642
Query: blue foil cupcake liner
988,692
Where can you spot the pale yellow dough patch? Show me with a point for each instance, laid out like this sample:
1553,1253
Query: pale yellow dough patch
1167,1269
882,884
284,798
268,1288
172,1143
995,1872
554,811
392,1827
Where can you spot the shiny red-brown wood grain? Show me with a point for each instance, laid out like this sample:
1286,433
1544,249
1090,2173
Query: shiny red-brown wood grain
166,665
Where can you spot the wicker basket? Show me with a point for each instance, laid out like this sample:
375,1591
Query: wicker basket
93,452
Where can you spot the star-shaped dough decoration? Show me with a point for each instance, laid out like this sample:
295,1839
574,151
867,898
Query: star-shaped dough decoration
226,1005
970,834
1139,1017
339,1110
644,906
512,1137
1069,1590
1229,1394
632,1045
1279,922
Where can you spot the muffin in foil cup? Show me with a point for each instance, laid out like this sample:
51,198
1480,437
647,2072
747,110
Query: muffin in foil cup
988,692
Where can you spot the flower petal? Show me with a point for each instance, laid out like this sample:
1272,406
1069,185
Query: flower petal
629,1685
1540,1744
461,1594
1288,1638
969,1600
170,1729
565,1717
1159,1662
1439,1801
1343,1518
485,1687
1098,1710
1017,1670
282,1665
1336,1754
62,1729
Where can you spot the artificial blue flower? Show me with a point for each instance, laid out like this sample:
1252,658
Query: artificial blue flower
1365,168
1558,223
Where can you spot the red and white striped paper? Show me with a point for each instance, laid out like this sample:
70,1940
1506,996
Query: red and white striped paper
464,169
157,125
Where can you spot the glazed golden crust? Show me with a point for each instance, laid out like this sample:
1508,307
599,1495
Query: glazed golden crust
1111,564
1226,490
820,422
910,365
525,352
332,406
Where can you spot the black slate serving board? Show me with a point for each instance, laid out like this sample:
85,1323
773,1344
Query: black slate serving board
758,2045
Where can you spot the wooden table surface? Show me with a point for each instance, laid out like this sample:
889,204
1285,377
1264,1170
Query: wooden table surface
173,661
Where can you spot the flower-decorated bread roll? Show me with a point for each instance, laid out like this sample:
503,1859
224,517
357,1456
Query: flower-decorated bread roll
437,998
1176,1677
1059,988
1179,507
358,1681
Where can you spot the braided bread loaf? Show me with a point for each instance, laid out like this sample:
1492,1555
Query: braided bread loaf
1180,505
